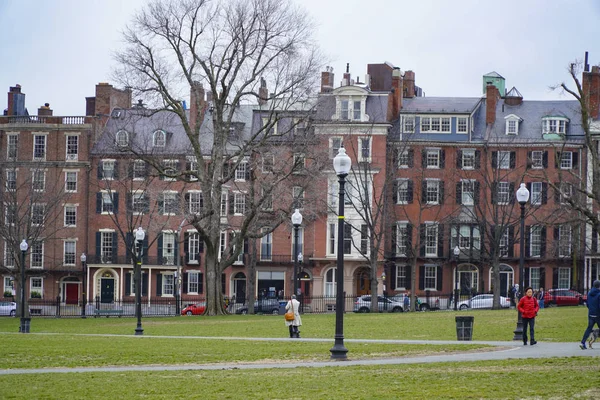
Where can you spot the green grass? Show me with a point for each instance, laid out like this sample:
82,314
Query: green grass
64,346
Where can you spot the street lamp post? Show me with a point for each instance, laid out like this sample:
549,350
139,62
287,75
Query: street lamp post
296,221
84,287
139,239
522,198
24,326
456,254
178,271
341,164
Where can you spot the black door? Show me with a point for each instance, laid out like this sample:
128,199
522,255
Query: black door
240,291
107,291
503,285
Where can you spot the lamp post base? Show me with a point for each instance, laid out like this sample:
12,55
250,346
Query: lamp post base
338,351
24,325
519,330
139,330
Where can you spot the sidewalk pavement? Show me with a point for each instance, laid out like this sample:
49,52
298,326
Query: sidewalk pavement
504,351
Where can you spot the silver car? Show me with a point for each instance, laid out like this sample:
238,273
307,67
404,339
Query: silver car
8,308
483,301
363,304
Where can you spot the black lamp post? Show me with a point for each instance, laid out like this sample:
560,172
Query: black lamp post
296,221
341,164
139,240
522,198
178,271
84,287
456,254
24,326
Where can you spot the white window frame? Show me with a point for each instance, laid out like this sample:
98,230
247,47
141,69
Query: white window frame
351,108
401,277
169,200
468,192
503,160
363,149
267,167
12,147
168,284
239,203
42,146
299,163
135,173
69,242
554,125
435,124
298,197
71,174
430,278
159,138
10,214
504,243
9,284
107,208
38,185
72,149
70,209
403,158
408,123
138,201
535,241
106,247
36,284
193,247
224,199
334,146
9,255
330,282
240,171
266,247
537,159
565,241
112,163
566,160
168,247
196,201
462,125
331,239
503,193
402,191
401,239
433,158
432,191
36,259
564,278
38,214
11,179
169,166
122,138
536,193
468,159
193,161
431,239
193,282
272,131
535,277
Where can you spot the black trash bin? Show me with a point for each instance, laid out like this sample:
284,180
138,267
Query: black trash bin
25,324
464,327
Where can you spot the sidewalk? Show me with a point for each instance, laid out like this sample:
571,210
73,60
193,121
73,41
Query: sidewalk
506,350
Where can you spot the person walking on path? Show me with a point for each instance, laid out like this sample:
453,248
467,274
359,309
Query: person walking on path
540,297
528,307
593,304
406,302
294,306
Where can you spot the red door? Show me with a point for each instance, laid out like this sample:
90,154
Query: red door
72,293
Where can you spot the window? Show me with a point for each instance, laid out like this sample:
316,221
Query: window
564,278
556,125
535,277
511,128
334,146
9,285
239,203
139,170
299,162
409,123
461,125
37,254
404,157
564,241
69,252
430,280
70,215
159,139
168,284
11,179
170,170
72,147
270,125
107,205
39,147
432,159
365,149
435,124
403,192
535,241
566,160
431,240
432,191
266,246
504,242
467,237
331,241
107,170
402,277
194,282
402,239
38,178
168,248
468,159
425,124
330,282
139,203
12,146
122,138
267,200
347,238
169,204
241,171
71,181
350,110
566,192
468,192
536,193
364,239
445,124
193,248
10,214
537,159
106,247
195,202
298,197
503,160
223,204
503,194
192,166
9,255
38,214
36,287
268,160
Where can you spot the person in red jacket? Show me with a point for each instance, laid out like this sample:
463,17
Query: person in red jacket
528,307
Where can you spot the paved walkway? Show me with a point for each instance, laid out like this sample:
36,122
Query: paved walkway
505,350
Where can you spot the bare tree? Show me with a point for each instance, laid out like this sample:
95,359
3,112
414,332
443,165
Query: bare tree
226,46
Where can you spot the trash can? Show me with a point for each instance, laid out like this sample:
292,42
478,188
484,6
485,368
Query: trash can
464,327
25,324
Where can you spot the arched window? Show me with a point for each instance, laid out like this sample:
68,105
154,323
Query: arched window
122,138
330,284
160,139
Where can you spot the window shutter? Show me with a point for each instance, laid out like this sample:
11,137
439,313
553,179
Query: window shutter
130,169
511,241
146,203
187,202
144,284
129,205
526,277
424,158
115,200
186,246
98,203
545,159
100,170
527,241
184,282
529,160
458,159
408,277
421,278
409,239
410,192
494,159
145,250
555,244
440,276
494,192
393,280
543,244
557,159
441,188
440,251
513,159
442,158
594,240
245,246
115,247
594,273
127,283
129,247
248,171
411,158
511,193
557,192
477,159
422,240
201,246
459,192
555,278
396,157
544,192
575,160
98,247
543,277
394,236
159,284
116,171
161,204
395,192
476,193
231,200
159,247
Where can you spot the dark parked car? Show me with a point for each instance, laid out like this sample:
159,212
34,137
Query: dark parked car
265,306
562,297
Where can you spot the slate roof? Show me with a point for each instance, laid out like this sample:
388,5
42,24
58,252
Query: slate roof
439,105
375,107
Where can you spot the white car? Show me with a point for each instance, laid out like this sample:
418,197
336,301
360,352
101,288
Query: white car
8,308
483,301
363,304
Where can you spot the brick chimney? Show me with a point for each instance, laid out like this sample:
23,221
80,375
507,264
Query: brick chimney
491,97
45,110
197,102
380,77
327,80
591,91
90,106
16,101
263,92
395,96
409,84
108,98
347,78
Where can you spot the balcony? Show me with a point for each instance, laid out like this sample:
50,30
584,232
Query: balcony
127,260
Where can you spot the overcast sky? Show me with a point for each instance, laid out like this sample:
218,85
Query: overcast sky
59,50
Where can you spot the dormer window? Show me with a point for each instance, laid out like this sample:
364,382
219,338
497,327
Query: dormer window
160,139
512,124
122,138
557,125
350,110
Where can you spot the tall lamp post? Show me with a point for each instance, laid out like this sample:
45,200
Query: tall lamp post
341,164
178,271
139,240
24,326
296,221
456,254
84,287
522,198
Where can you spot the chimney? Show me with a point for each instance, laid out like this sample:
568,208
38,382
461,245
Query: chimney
409,84
16,101
346,80
395,96
45,110
591,91
327,80
196,102
492,96
90,106
263,92
108,98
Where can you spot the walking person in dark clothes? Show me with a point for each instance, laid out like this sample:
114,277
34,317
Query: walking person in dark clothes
593,304
529,307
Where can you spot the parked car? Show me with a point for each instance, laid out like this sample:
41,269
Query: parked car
563,297
194,309
363,304
483,301
265,306
8,308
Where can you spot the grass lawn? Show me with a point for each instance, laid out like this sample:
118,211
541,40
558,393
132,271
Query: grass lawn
65,347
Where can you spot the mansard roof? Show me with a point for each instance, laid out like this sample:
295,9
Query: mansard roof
439,105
